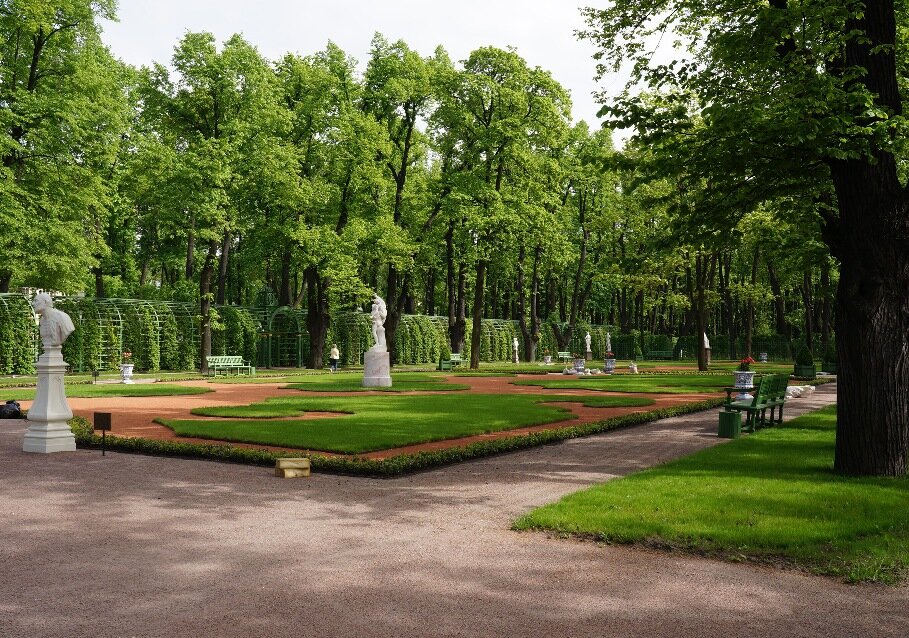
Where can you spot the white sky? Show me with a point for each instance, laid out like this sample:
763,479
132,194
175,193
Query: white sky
541,31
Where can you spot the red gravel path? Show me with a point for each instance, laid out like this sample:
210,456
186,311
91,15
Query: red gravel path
134,416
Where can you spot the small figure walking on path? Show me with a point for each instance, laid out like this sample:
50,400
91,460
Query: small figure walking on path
333,357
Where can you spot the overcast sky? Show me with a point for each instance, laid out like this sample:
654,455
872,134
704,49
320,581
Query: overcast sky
541,31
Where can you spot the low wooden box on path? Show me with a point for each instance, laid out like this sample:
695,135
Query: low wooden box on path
291,468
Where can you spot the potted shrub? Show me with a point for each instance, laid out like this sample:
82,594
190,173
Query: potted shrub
547,356
609,364
444,355
830,359
804,364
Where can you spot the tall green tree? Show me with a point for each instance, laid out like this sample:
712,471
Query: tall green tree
800,97
211,107
62,113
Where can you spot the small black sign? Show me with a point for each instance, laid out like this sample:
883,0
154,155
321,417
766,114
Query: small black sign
102,421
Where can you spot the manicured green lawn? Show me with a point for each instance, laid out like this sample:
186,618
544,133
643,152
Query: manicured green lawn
771,496
370,422
669,383
109,390
353,382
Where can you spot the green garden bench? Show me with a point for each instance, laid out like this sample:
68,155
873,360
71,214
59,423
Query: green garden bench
564,356
453,361
770,394
660,354
228,365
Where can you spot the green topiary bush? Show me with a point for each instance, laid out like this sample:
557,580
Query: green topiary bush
804,357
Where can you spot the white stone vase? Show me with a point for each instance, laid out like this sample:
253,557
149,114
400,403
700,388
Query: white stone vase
126,372
547,359
579,364
609,366
744,379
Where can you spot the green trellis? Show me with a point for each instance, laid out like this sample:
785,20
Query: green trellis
18,335
286,338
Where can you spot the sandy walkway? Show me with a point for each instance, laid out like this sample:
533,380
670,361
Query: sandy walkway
153,547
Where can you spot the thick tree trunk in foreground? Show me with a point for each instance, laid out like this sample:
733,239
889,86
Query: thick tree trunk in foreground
871,239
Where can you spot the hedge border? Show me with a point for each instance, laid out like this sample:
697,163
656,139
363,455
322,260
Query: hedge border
389,468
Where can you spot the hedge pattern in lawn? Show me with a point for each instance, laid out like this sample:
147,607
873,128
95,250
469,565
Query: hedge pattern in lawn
361,466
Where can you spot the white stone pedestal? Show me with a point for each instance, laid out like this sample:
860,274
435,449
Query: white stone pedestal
376,369
48,430
588,355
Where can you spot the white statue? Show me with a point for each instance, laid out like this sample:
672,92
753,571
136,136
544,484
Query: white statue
378,314
514,345
706,342
608,342
587,341
55,325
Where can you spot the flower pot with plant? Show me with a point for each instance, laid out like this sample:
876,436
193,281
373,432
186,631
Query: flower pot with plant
609,363
804,364
744,379
547,356
126,368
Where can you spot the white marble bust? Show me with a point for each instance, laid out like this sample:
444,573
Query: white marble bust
55,325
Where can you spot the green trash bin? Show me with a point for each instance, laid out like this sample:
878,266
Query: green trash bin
730,425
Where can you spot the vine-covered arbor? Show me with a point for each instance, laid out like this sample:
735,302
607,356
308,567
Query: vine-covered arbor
18,335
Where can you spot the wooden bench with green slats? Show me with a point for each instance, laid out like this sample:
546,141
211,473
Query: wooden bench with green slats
454,360
228,365
565,356
770,394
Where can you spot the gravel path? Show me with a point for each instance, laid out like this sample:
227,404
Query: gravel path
142,546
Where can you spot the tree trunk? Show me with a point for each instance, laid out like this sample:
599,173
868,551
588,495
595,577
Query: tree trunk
429,298
222,269
749,311
191,249
779,305
457,291
477,315
205,305
5,277
318,319
825,304
808,305
99,282
284,285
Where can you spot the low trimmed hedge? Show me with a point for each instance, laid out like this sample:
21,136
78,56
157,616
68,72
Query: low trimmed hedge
388,468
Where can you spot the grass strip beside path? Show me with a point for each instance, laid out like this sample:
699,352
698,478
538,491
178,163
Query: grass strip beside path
109,390
769,497
654,383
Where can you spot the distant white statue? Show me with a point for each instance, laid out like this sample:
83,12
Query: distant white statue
608,342
587,341
55,325
378,314
514,346
706,342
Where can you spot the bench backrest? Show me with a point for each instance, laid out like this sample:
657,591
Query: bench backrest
565,355
224,360
762,393
781,382
455,357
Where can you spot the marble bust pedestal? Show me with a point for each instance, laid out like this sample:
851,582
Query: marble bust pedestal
376,369
48,429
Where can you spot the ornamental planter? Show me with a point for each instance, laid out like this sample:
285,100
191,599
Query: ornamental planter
547,359
805,372
579,365
126,372
609,366
744,379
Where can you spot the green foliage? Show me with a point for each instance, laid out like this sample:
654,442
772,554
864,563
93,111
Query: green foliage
830,355
804,357
17,336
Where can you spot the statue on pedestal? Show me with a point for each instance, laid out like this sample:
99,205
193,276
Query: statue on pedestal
48,430
376,360
378,314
